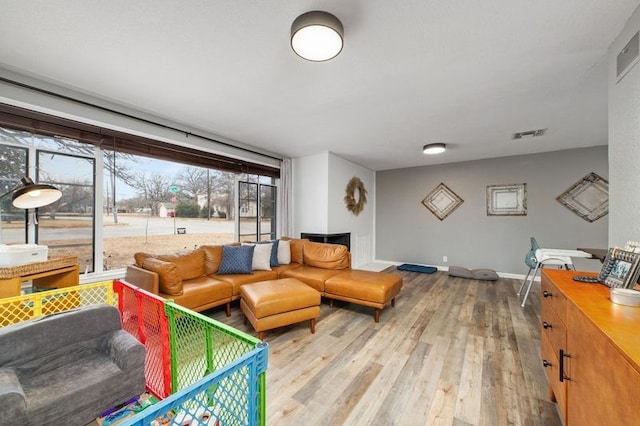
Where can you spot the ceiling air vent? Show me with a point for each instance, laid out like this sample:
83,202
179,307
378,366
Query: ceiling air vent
627,58
529,134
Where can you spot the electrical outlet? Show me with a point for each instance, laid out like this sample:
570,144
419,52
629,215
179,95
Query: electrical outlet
444,259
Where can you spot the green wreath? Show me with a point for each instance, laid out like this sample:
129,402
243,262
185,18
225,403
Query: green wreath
353,205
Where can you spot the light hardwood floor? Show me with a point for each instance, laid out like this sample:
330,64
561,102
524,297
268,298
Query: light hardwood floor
451,352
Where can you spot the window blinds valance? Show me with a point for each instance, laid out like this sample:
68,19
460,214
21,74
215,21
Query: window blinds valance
49,125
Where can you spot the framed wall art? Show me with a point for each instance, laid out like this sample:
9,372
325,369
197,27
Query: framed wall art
507,200
620,268
442,201
588,198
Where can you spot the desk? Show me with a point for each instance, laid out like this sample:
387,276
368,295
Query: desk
599,254
56,272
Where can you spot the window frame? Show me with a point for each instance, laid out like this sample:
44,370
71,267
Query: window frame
94,216
37,123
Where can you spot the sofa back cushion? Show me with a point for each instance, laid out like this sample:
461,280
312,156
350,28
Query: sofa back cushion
297,249
212,258
190,263
140,257
326,256
24,342
169,278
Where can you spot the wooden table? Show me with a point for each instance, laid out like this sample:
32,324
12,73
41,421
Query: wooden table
56,272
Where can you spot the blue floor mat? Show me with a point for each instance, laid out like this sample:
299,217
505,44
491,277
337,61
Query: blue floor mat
417,268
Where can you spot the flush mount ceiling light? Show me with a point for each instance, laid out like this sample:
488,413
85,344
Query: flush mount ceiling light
434,148
317,36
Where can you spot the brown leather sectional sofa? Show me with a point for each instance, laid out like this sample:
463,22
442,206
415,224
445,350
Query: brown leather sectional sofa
191,279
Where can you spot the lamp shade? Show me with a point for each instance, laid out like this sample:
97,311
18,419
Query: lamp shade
434,148
317,36
33,195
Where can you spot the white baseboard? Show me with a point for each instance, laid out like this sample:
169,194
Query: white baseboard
375,266
446,268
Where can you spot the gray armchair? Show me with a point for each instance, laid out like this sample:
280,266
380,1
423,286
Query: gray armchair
68,368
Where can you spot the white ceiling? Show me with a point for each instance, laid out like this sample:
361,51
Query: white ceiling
466,73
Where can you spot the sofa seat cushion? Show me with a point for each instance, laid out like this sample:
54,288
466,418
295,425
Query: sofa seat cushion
373,289
59,386
285,267
237,280
314,277
203,291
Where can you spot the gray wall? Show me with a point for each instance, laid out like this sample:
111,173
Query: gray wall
624,146
407,232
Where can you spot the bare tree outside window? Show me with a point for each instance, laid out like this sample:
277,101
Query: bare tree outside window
145,201
13,166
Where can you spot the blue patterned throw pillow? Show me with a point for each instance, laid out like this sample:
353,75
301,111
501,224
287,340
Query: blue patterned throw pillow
274,251
236,260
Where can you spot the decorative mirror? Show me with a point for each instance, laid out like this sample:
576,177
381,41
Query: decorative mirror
442,201
588,198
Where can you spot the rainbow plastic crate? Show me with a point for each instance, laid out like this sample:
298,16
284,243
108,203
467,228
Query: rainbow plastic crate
22,308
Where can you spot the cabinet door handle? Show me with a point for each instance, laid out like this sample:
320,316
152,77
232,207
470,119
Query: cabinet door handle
546,363
546,294
561,374
546,325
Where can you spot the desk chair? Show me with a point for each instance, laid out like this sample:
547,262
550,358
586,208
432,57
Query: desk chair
538,257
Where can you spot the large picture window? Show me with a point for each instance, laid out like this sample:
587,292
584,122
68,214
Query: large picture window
67,226
162,206
13,166
257,207
117,201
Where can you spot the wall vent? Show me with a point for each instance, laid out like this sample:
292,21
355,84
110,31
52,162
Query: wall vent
628,57
529,134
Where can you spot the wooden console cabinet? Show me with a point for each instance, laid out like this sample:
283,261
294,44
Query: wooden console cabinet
590,348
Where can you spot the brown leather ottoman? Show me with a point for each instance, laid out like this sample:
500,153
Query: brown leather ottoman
366,288
276,303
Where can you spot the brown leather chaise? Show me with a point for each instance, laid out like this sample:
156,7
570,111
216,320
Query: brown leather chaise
373,289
